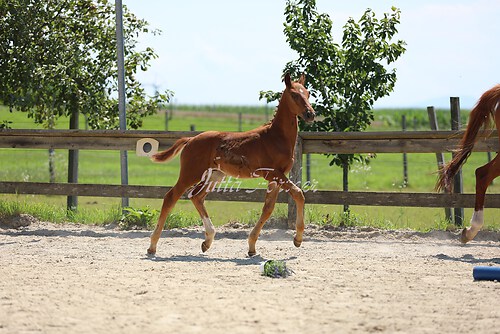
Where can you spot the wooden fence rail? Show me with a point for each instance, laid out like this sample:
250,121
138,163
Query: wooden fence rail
431,200
313,142
309,142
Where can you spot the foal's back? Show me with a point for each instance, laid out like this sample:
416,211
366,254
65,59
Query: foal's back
238,154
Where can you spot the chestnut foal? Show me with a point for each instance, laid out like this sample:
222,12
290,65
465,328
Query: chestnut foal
266,152
486,110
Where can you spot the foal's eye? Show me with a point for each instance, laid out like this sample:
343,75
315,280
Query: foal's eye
295,96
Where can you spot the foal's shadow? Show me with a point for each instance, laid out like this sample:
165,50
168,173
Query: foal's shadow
247,261
468,258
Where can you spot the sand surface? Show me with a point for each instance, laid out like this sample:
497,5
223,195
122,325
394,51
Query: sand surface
85,279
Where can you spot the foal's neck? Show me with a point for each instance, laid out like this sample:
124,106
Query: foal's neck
285,124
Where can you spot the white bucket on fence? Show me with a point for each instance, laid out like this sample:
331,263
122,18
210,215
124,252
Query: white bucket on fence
146,147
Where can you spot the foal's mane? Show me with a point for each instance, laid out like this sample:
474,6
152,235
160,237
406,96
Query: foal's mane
275,112
272,119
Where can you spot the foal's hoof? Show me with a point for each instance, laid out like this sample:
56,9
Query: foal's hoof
204,247
252,253
151,252
297,242
463,236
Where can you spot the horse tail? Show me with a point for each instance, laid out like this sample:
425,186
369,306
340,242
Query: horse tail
171,152
481,115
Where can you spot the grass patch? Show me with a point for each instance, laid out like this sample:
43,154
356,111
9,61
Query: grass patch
10,208
393,218
182,219
416,119
133,219
58,214
184,214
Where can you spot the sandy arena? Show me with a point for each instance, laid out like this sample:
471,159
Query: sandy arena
81,279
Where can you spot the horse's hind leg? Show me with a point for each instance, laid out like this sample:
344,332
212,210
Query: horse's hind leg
197,196
484,176
171,197
198,201
267,210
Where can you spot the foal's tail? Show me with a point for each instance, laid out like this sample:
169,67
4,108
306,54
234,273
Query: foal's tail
481,116
170,153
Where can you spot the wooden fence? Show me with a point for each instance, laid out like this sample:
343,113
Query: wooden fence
308,142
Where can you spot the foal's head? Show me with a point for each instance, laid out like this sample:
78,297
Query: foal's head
298,97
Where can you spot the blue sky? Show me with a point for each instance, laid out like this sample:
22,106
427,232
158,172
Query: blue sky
226,51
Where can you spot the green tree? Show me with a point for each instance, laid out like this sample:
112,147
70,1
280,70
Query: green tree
344,79
59,58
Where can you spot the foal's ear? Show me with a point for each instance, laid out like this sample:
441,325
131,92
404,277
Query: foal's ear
288,81
302,79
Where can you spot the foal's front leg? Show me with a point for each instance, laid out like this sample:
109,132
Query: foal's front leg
278,180
298,197
271,196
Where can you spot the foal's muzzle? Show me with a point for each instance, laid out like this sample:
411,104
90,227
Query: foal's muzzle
308,116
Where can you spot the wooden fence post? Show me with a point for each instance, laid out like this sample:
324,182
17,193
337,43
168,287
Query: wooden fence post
458,180
308,167
439,156
296,177
405,157
345,184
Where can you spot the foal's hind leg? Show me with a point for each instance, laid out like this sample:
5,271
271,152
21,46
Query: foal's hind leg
271,196
199,193
171,197
198,202
484,176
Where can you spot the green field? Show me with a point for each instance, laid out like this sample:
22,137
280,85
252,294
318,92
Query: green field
384,173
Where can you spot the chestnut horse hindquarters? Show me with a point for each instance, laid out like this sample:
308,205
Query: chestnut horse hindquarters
481,116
